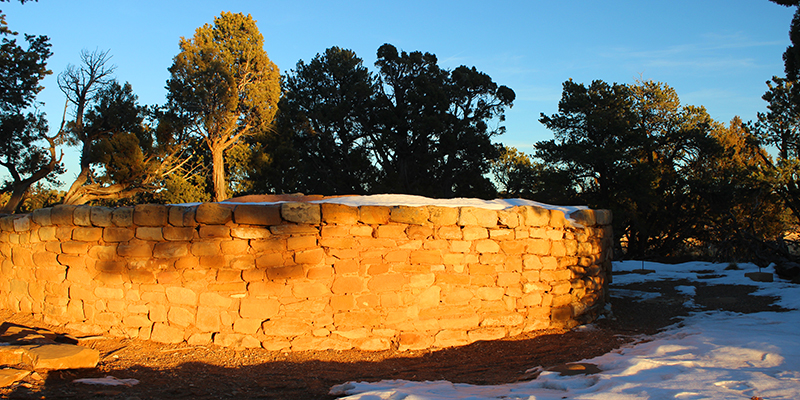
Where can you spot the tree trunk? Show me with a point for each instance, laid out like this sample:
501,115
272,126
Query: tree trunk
218,173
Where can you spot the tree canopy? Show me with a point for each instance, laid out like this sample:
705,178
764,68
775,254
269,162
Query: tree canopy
412,127
26,151
224,85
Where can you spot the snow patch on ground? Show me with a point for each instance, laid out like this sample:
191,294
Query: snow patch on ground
711,355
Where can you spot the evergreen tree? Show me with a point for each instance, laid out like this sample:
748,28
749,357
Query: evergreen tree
223,83
26,151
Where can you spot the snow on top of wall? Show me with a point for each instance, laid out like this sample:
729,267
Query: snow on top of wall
417,201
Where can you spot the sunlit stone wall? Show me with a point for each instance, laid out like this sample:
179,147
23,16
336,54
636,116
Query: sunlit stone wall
300,276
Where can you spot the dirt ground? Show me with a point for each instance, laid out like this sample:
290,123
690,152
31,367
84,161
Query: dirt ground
182,371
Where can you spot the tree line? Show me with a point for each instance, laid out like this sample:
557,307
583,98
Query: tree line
679,183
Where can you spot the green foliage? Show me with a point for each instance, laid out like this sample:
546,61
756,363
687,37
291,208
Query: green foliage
225,86
673,177
26,151
411,128
323,127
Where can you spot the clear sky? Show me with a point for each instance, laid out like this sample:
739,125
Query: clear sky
715,53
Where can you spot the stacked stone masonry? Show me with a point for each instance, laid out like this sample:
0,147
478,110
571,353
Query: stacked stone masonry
301,276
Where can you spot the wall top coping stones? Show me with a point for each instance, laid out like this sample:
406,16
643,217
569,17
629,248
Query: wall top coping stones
309,213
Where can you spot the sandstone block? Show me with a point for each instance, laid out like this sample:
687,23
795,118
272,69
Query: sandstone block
501,234
258,308
386,282
164,333
443,215
313,257
508,278
270,260
347,284
492,333
292,229
250,214
45,259
111,234
409,215
469,216
301,242
108,292
535,216
268,245
303,290
215,232
419,232
286,327
339,214
47,233
338,242
557,219
22,224
81,248
474,233
487,246
58,356
391,231
426,257
208,319
361,231
174,233
250,232
180,316
414,341
149,233
136,249
509,218
170,249
374,215
342,302
181,216
42,216
490,293
81,216
213,214
247,326
205,248
199,339
451,338
122,216
150,215
100,216
457,296
62,215
211,299
181,295
301,213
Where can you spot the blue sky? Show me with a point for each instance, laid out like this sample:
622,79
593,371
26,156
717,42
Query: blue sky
715,53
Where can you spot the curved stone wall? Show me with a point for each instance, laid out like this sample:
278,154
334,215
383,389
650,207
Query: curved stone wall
299,276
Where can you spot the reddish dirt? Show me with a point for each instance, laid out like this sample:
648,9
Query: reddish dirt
182,371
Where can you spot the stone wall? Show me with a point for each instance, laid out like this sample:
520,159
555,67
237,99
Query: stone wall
299,276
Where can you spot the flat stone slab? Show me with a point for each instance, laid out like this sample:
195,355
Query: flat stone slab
10,375
20,334
42,349
49,356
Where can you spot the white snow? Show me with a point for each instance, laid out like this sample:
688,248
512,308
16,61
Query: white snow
709,355
418,201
